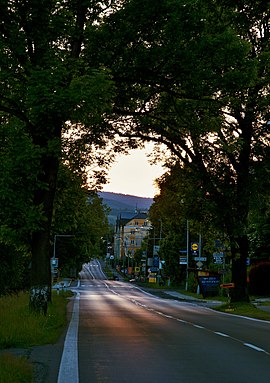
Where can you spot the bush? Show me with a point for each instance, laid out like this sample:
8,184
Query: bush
259,279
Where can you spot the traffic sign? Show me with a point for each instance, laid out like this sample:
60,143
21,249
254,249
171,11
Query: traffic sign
199,264
227,285
183,260
202,259
54,262
194,246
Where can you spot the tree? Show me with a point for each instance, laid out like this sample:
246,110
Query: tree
181,203
50,88
259,217
196,79
18,215
79,215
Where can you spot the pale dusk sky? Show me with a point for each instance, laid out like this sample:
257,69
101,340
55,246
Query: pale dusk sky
132,174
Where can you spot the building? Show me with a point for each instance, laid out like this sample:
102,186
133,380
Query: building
129,234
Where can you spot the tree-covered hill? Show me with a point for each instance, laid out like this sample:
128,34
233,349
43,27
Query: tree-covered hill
124,203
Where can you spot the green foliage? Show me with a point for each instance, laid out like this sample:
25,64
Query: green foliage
14,269
52,99
259,279
19,170
18,215
170,252
196,80
80,214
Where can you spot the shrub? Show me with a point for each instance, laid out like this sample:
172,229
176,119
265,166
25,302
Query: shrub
259,279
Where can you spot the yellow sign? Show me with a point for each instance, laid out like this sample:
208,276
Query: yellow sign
137,269
194,246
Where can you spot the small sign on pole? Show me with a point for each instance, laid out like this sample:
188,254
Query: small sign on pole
54,262
227,285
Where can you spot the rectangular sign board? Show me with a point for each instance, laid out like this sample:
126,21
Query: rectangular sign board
54,262
183,260
209,285
201,259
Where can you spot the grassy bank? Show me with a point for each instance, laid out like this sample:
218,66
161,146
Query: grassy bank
21,329
244,309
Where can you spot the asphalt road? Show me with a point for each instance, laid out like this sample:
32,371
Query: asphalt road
121,334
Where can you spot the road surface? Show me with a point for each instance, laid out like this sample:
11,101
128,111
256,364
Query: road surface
122,334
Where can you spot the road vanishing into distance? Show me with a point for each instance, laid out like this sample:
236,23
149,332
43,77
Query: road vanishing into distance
119,333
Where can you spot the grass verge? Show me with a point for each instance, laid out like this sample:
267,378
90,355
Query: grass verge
244,309
19,328
15,369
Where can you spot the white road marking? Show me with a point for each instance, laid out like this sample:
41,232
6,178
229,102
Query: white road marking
68,371
254,347
136,302
221,334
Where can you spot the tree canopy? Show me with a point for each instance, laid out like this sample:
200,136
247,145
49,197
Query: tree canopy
55,95
196,78
192,75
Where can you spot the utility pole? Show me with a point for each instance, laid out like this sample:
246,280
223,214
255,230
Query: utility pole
187,255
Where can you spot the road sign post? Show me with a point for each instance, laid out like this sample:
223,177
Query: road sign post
228,286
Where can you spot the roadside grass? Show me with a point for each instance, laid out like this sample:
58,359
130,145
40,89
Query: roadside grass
19,328
267,303
15,369
244,309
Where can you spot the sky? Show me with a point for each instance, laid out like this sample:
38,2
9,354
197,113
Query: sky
132,174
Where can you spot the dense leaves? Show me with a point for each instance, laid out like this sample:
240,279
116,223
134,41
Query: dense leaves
259,279
80,215
197,80
48,89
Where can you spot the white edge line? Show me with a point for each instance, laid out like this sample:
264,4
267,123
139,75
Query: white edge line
68,370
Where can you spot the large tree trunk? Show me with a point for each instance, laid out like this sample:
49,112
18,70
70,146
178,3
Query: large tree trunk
40,291
240,239
239,270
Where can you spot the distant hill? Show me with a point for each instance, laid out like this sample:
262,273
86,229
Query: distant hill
124,203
